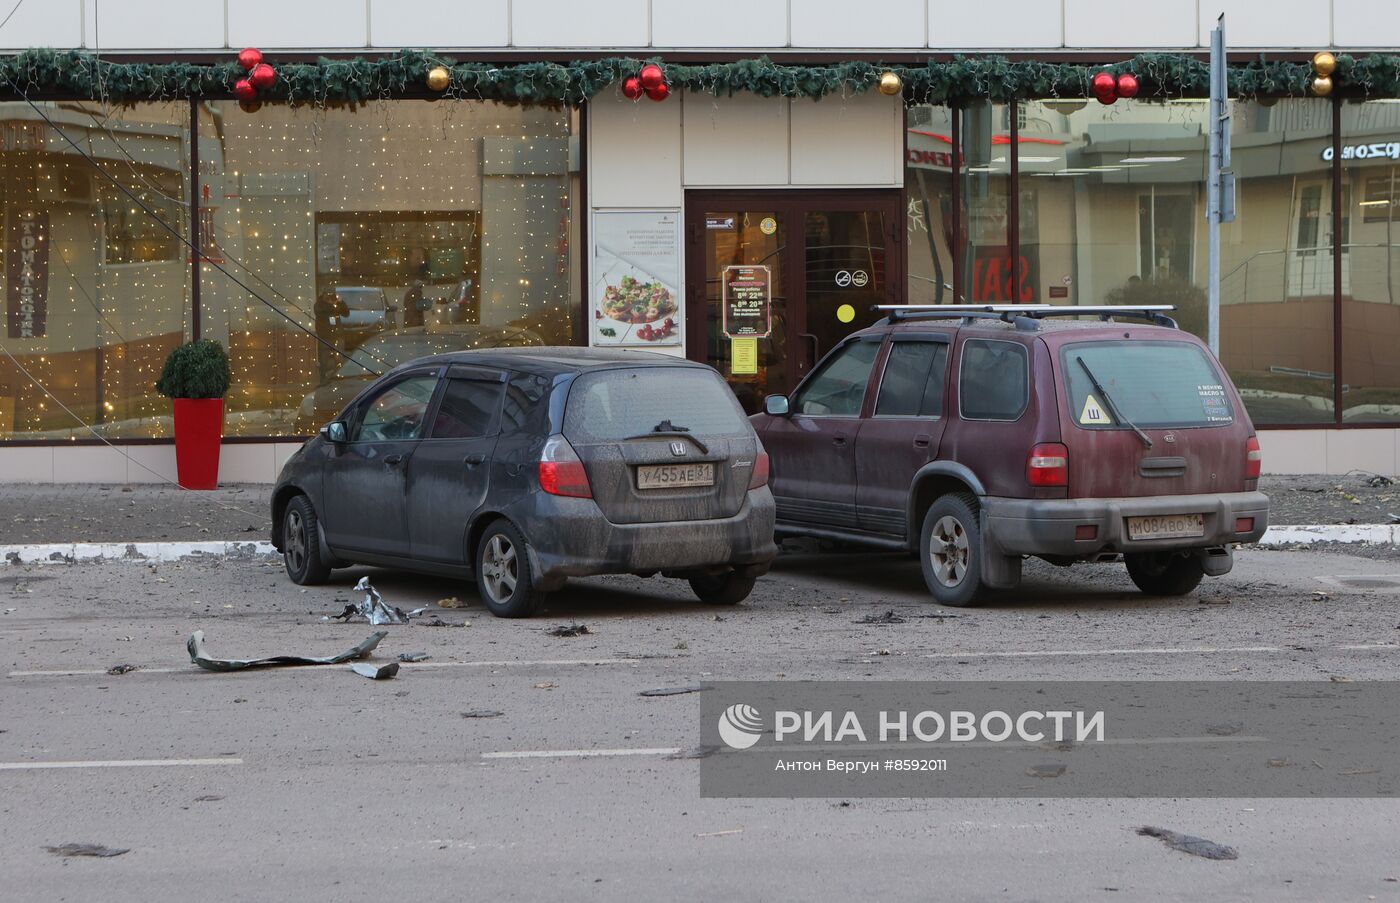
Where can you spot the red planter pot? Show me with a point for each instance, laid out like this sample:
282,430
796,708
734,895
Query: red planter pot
199,428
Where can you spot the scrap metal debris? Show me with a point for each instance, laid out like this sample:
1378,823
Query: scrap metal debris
697,752
1049,770
1187,843
676,691
85,849
381,671
373,609
200,657
565,630
483,713
888,617
123,669
414,656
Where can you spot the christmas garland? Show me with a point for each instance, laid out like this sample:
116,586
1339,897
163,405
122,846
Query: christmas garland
352,81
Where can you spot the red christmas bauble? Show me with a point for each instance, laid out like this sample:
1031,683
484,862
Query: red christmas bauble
652,76
632,87
1104,85
660,92
244,90
1127,85
262,76
249,57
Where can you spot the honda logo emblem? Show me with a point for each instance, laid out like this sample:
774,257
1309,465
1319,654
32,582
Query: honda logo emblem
678,449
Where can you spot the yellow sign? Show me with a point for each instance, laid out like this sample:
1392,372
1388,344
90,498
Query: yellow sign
768,225
743,356
845,313
1093,415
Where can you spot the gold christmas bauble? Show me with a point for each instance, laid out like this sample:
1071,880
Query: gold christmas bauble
1322,86
890,84
1324,63
439,78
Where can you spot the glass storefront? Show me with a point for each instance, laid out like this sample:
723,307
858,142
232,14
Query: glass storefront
362,238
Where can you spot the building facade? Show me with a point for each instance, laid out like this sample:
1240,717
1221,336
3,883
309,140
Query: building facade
322,241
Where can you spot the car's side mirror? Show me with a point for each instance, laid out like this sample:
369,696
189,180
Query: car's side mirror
776,405
335,431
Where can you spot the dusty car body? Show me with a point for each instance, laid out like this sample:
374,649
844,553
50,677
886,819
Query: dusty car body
524,467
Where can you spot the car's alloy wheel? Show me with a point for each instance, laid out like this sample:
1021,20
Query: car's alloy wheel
948,551
950,543
301,546
503,575
294,537
500,568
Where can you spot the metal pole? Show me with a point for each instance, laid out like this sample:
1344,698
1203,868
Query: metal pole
1217,98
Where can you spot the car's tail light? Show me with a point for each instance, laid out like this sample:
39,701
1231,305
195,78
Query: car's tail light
1253,459
561,471
1048,465
1244,525
759,477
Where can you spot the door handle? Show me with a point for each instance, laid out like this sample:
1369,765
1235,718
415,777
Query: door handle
838,441
473,460
393,460
922,440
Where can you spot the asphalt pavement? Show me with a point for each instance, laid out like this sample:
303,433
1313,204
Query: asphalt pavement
315,783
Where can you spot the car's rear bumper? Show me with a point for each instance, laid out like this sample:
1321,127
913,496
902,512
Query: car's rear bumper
1048,526
571,538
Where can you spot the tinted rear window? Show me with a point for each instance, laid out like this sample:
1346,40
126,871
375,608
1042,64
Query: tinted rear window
607,405
995,381
1152,384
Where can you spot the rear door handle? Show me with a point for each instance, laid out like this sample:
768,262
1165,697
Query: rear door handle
393,460
922,440
839,440
473,460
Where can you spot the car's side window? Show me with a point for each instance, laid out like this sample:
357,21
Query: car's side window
912,384
524,392
993,380
468,409
838,388
395,413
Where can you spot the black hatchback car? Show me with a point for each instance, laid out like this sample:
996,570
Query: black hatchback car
526,466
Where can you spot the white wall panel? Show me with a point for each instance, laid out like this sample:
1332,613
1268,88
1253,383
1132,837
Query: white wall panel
301,23
26,465
892,23
1269,23
634,152
1028,24
1163,23
719,23
739,140
139,24
580,23
439,23
52,23
1365,23
847,141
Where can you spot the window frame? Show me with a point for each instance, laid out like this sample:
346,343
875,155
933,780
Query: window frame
361,404
962,362
875,339
468,373
930,338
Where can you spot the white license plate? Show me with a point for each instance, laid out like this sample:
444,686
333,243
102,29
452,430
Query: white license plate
673,476
1167,526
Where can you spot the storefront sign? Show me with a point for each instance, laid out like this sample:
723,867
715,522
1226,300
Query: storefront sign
1387,149
748,301
636,278
26,272
719,223
743,356
993,280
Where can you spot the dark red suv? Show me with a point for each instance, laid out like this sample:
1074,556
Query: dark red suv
979,436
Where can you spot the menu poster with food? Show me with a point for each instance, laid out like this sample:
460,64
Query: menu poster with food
748,302
636,278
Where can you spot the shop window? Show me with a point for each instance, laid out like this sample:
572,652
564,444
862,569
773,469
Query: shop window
390,231
929,220
1380,201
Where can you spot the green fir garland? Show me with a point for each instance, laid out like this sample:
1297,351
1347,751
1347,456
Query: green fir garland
72,73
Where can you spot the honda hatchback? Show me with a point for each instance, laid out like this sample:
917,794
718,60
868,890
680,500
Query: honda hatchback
524,467
975,436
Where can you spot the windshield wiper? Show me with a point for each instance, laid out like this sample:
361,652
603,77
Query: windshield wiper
1113,408
666,426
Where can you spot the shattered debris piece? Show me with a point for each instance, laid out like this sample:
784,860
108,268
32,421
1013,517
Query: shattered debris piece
373,609
434,621
1050,770
450,602
208,798
566,630
676,691
1225,729
123,669
86,849
888,617
381,671
697,752
1186,843
483,713
546,685
414,656
200,657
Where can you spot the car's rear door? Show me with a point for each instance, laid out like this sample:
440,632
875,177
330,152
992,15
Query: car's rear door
813,448
450,472
903,431
364,478
661,443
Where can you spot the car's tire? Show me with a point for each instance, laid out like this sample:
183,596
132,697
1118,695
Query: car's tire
723,589
1164,573
301,543
951,550
503,575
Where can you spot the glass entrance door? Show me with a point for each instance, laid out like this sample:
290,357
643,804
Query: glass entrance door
775,279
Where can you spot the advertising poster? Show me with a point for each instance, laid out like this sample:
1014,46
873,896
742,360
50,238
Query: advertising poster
748,302
636,275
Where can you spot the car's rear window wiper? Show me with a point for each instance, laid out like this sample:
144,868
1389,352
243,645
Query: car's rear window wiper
666,426
680,431
1113,408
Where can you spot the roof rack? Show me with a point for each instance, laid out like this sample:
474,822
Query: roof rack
1026,314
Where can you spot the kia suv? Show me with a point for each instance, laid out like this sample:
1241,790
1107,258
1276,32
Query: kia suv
978,435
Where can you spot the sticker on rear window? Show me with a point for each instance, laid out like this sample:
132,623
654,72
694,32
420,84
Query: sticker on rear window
1093,415
1213,403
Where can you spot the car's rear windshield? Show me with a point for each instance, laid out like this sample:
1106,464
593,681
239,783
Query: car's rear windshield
607,405
1151,384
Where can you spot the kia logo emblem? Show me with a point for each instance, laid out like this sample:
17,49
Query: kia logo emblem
678,449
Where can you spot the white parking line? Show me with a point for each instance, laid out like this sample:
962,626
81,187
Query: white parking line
562,662
1164,650
579,753
116,763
